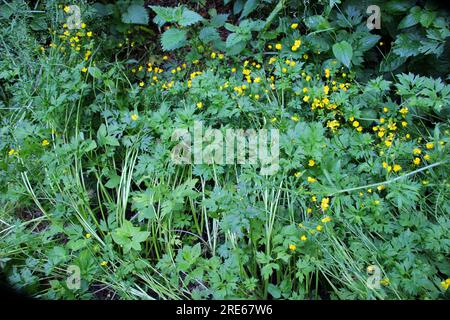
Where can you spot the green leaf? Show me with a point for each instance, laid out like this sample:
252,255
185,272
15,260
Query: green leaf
317,22
167,14
135,14
343,52
208,34
189,18
95,72
427,18
219,20
233,39
173,39
408,21
249,7
274,291
113,182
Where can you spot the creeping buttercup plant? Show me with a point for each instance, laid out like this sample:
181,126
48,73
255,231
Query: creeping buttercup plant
358,208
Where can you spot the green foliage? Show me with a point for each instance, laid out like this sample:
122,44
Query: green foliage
87,177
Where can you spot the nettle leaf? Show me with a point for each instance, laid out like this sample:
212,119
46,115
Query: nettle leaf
343,52
218,20
173,39
317,22
136,14
233,39
209,34
168,14
406,44
368,41
189,18
249,7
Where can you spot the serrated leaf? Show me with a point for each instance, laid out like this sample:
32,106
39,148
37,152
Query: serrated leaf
218,20
369,41
167,14
249,7
209,34
135,14
189,18
233,39
343,52
317,22
408,21
173,39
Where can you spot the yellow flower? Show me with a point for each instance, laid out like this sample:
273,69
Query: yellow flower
294,26
404,110
89,34
417,151
66,9
284,70
311,180
313,198
308,210
83,25
257,80
134,117
213,55
445,284
308,78
385,282
333,125
325,204
45,143
397,167
311,163
292,247
12,152
319,228
278,46
306,98
430,145
381,187
355,123
303,238
141,84
104,263
199,105
297,174
88,235
426,157
326,219
295,118
416,161
305,56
